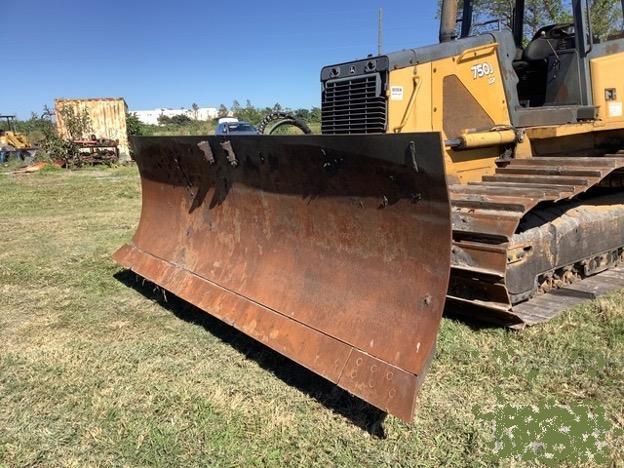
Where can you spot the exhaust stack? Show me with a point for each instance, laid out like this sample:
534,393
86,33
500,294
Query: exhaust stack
448,20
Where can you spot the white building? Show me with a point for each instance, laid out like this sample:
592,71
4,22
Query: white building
150,117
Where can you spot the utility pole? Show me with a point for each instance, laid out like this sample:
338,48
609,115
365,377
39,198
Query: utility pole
380,32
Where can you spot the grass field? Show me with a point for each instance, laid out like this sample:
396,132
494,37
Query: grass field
96,368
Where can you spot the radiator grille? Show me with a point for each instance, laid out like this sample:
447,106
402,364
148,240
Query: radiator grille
354,105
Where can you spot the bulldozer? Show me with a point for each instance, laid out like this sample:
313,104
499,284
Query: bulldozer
482,174
13,143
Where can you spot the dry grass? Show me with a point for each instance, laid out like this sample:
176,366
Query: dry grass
97,369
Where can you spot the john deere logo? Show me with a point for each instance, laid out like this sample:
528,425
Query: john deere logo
352,70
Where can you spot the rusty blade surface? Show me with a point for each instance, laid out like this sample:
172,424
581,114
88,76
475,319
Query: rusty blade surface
332,250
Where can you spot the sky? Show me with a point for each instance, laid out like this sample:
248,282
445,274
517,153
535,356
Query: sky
175,53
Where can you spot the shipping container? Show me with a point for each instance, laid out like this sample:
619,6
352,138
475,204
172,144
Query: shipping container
107,119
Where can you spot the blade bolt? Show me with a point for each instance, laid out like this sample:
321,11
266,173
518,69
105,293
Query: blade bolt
427,300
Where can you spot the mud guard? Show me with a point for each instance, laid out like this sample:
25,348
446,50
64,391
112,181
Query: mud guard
332,250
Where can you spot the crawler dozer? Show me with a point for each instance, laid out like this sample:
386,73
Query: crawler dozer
483,172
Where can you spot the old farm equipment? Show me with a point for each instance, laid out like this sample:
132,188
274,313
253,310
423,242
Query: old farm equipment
13,144
93,151
481,157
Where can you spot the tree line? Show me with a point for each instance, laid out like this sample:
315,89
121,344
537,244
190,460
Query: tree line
606,15
252,114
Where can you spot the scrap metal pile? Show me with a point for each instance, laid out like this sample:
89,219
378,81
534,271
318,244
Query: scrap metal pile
97,151
91,152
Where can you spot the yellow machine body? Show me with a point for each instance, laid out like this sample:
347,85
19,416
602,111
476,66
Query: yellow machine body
463,97
10,138
444,96
526,127
18,141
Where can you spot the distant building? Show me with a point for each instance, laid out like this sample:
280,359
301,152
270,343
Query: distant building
150,117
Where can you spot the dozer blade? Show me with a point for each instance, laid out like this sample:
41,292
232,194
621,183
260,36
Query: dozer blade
332,250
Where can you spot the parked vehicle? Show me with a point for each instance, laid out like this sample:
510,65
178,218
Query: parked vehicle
235,127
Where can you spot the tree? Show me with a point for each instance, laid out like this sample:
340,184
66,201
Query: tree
249,114
77,122
179,120
133,125
315,115
303,114
277,107
38,127
195,110
223,111
235,106
606,15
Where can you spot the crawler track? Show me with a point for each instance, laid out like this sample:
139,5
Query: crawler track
535,225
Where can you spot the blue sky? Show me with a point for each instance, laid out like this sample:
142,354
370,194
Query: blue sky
171,54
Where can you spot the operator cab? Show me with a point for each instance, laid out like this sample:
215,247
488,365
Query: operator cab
545,64
552,69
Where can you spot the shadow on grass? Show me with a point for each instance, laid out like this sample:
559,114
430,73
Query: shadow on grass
360,413
473,318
